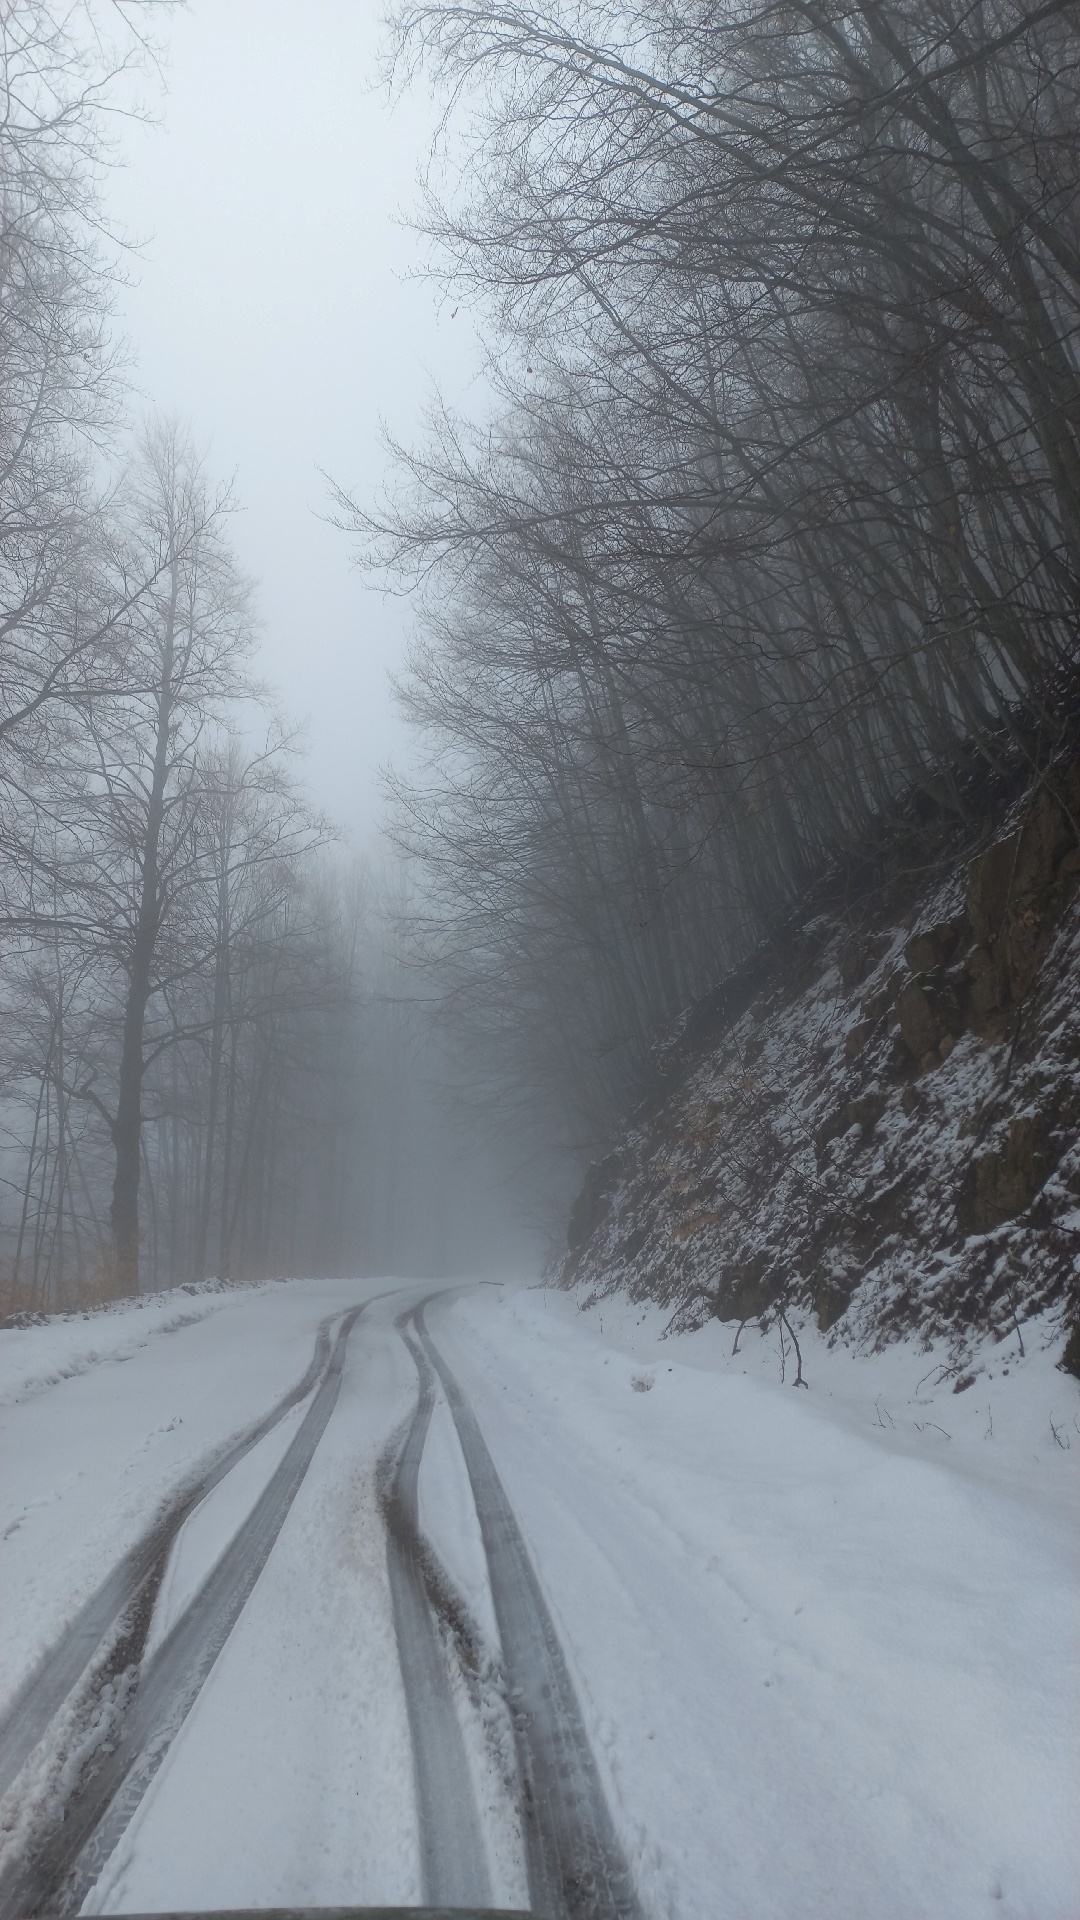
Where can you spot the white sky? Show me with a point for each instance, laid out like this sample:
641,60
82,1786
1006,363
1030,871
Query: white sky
271,311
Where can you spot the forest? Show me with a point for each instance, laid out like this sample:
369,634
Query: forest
768,526
212,1061
771,530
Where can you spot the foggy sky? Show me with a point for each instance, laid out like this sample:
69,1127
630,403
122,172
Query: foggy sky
270,309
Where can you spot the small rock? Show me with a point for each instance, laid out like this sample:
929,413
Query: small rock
989,986
877,1004
929,1009
831,1302
946,1045
745,1290
929,1060
830,1130
857,1038
866,1111
934,946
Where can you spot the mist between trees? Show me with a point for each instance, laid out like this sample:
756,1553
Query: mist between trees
774,520
772,523
211,1060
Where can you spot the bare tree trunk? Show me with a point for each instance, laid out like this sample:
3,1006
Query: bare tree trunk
217,1053
28,1185
127,1126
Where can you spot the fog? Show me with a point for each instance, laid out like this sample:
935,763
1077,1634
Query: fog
272,303
753,541
286,1105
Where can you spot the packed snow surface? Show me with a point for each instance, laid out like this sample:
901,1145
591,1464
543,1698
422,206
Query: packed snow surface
104,1415
825,1640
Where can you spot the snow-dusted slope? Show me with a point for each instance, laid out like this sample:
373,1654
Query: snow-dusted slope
878,1121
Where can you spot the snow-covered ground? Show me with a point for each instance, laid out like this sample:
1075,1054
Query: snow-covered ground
828,1655
825,1642
103,1415
291,1782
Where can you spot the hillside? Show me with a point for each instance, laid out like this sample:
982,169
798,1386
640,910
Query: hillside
876,1128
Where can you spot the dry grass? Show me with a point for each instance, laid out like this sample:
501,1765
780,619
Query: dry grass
15,1295
695,1224
98,1289
102,1285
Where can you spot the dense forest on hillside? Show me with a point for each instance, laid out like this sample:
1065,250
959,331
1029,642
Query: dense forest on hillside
772,525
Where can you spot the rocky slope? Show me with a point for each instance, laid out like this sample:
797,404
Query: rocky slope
881,1127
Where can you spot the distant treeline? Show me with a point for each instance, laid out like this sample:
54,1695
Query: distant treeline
775,516
210,1060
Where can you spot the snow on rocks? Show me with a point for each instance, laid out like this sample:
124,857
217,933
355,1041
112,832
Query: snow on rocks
884,1127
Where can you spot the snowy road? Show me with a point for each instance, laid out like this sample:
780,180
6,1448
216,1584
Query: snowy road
559,1820
73,1852
131,1584
575,1861
477,1601
453,1864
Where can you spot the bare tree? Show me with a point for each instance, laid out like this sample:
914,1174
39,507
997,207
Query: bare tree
776,526
61,386
135,806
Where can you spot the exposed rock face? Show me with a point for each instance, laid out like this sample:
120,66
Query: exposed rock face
593,1202
934,946
887,1132
928,1006
1016,890
1003,1181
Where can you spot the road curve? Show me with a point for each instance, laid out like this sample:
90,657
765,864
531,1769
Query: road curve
43,1694
576,1866
453,1866
59,1872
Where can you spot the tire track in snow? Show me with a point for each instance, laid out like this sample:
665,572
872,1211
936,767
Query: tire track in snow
130,1588
453,1865
576,1866
57,1875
